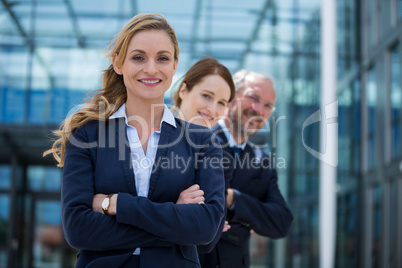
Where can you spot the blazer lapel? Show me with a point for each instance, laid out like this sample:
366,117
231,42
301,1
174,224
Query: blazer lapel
247,160
245,170
218,131
124,152
164,140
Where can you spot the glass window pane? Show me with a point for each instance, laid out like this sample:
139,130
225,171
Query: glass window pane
13,82
356,126
400,9
5,177
347,246
44,178
48,237
372,103
384,16
345,139
393,228
377,225
346,33
396,101
371,20
4,221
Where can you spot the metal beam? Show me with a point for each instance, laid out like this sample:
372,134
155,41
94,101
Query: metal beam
76,29
29,40
194,31
254,34
14,18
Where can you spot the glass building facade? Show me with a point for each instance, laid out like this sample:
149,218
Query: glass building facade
51,56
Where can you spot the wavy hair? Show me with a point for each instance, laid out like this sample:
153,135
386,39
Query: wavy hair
107,100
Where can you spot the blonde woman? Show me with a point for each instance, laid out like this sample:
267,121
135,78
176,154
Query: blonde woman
127,162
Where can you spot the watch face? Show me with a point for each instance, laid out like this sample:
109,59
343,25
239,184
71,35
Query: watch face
105,203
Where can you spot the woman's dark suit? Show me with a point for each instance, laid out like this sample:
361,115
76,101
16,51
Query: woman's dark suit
98,161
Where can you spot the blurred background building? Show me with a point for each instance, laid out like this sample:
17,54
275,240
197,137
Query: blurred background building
51,56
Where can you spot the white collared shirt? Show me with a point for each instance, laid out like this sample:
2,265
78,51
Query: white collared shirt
143,164
229,137
232,143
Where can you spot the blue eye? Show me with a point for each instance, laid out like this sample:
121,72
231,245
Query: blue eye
206,96
222,103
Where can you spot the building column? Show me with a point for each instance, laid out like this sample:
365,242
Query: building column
328,136
12,241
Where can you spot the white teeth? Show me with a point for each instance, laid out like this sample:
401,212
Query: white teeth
210,118
150,81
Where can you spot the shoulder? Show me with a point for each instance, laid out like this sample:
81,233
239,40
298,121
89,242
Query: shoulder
93,128
266,160
186,125
196,135
192,130
87,128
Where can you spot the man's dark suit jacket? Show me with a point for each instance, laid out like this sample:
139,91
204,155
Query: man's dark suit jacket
259,206
98,161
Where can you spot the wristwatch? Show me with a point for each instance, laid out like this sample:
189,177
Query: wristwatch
106,204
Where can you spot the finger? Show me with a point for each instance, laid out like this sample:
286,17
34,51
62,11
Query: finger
193,187
198,200
192,195
197,193
226,228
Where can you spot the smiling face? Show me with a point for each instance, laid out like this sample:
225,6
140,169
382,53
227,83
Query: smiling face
148,67
252,106
205,103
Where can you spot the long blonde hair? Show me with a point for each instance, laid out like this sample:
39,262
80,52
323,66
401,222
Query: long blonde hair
107,100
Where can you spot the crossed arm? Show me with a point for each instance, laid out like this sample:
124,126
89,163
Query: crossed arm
155,224
191,195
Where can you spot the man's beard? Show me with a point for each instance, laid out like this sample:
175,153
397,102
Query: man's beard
241,131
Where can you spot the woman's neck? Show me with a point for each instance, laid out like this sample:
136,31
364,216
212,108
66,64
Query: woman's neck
141,112
181,116
146,117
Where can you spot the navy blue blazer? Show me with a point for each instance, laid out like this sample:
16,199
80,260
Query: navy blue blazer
259,206
98,160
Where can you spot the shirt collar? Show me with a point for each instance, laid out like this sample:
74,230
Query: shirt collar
229,137
166,117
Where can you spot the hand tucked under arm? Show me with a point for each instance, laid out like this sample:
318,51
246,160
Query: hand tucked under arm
192,195
97,203
229,198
